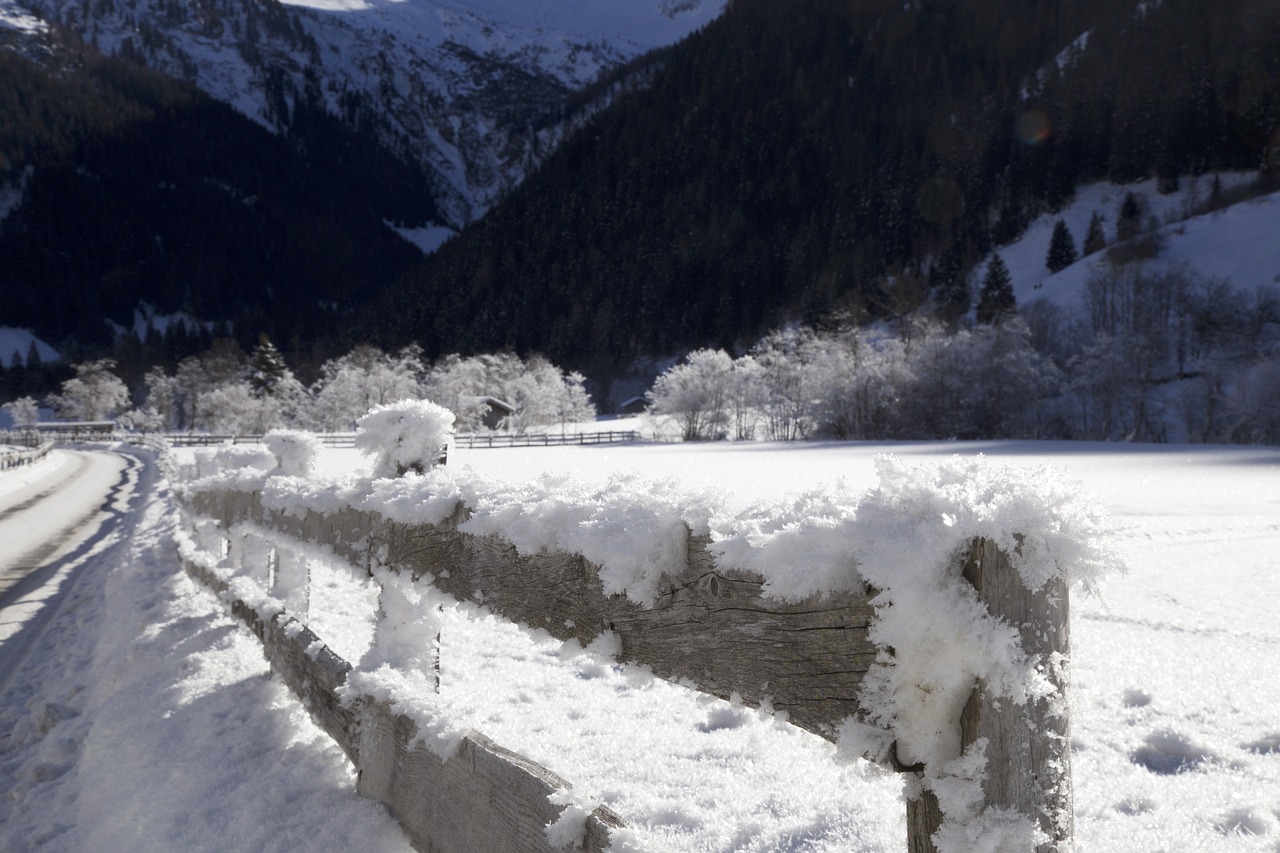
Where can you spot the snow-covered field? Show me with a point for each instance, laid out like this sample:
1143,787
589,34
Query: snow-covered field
144,710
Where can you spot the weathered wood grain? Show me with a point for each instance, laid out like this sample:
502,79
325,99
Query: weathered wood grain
924,816
709,626
483,797
1029,747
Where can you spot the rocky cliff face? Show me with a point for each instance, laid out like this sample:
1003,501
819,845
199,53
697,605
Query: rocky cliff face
470,89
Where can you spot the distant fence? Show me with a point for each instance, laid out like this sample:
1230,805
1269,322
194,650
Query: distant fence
22,438
198,439
76,430
710,626
468,440
17,458
490,439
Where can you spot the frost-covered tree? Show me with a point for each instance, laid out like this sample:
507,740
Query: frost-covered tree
543,394
232,408
198,375
1256,404
746,396
144,419
1010,382
24,411
267,368
874,392
164,399
271,379
1062,248
540,392
937,400
996,301
695,393
786,357
364,378
95,393
1114,396
832,363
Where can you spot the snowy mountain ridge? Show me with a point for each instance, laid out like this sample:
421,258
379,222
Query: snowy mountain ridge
469,88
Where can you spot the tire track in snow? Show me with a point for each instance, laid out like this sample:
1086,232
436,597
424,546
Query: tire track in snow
34,585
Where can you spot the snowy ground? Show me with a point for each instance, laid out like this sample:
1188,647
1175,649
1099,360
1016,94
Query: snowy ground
141,680
145,719
1234,244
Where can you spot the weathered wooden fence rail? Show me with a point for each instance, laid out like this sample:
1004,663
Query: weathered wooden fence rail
709,626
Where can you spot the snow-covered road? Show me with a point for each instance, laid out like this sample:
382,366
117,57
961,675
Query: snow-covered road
141,716
47,513
53,516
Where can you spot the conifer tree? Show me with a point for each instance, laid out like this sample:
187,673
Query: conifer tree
266,367
1094,239
1062,248
951,287
1127,225
996,301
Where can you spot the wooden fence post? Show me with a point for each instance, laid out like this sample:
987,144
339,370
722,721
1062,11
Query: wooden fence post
293,583
1028,746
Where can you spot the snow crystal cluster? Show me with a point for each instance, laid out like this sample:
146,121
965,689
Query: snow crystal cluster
295,451
407,436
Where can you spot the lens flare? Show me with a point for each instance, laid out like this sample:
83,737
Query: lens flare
1033,127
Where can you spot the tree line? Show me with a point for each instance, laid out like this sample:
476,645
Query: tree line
225,390
1151,353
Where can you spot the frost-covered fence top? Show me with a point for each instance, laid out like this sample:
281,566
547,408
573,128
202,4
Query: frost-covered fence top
922,625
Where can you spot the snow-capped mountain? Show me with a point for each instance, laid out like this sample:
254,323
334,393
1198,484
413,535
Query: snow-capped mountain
472,89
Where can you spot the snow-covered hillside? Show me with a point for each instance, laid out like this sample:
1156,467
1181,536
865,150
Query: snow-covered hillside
463,85
15,346
1236,243
14,19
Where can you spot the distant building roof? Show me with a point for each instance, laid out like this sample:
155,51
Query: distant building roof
470,402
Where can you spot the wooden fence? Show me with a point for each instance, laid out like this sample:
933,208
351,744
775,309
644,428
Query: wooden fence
200,439
468,440
17,458
710,626
490,439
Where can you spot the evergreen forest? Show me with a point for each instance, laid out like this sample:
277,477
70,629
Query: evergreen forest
136,188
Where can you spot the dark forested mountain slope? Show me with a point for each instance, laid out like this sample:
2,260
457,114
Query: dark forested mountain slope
788,158
134,187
